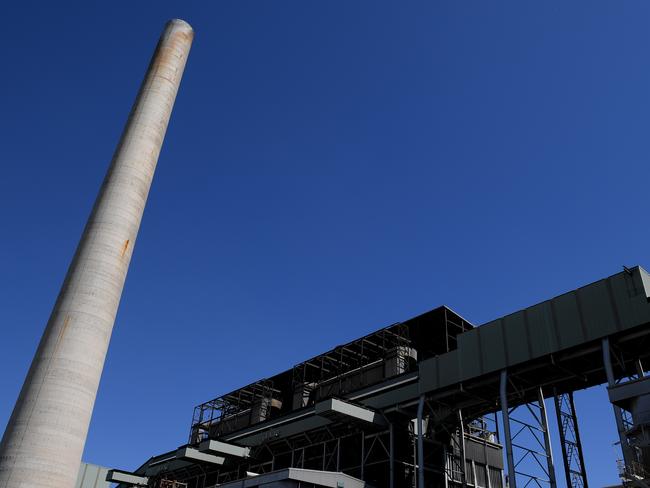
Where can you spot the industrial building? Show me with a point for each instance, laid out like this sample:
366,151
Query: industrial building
414,404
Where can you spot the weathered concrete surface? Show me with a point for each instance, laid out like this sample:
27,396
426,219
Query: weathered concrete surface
45,437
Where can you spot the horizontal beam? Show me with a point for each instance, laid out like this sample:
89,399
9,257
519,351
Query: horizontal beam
334,407
189,453
624,394
117,476
224,448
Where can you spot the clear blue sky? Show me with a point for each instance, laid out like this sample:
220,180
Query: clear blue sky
331,167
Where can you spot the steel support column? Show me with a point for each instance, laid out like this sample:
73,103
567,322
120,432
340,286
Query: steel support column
363,454
547,438
567,422
533,463
420,457
512,481
461,445
338,455
628,457
391,454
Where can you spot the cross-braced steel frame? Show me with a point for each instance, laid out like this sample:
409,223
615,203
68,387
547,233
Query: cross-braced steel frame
527,439
567,421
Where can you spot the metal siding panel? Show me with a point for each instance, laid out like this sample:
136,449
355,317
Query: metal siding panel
496,477
81,475
92,476
567,320
475,451
469,347
391,397
481,476
598,315
102,478
619,288
639,301
492,346
540,329
448,369
495,456
630,299
516,336
645,280
428,377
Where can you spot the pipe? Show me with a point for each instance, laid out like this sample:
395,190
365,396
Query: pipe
391,454
420,460
547,439
512,477
607,362
44,439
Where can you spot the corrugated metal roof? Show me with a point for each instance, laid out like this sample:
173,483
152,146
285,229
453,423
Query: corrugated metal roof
92,476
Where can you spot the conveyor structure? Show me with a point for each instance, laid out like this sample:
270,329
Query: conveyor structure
415,404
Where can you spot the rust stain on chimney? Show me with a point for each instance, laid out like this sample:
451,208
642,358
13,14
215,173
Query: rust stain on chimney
125,247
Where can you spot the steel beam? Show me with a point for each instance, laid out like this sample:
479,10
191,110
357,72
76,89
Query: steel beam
192,454
224,448
420,457
391,449
533,463
333,408
461,445
117,476
547,438
512,477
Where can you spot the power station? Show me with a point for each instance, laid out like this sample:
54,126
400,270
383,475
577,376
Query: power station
415,404
432,401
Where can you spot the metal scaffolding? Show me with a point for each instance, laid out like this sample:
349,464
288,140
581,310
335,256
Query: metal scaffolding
237,409
362,362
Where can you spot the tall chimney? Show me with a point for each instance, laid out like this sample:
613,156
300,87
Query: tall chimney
45,436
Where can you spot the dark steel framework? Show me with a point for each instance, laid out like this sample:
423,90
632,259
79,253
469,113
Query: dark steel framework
430,437
238,404
634,469
383,457
361,450
527,438
376,357
567,421
359,363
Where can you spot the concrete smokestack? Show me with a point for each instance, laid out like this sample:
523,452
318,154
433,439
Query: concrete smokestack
45,436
